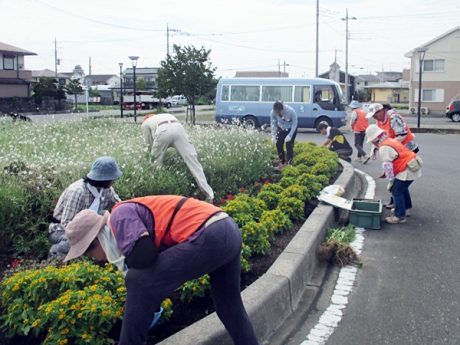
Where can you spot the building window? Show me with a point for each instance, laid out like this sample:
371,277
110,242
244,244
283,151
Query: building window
61,81
8,62
433,65
428,95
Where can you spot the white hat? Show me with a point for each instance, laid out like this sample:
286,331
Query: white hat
373,132
373,108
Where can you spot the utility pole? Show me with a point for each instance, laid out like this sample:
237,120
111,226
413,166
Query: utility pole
346,55
317,37
55,57
167,38
279,69
285,64
90,65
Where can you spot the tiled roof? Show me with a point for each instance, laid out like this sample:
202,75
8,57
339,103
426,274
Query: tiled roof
12,49
47,73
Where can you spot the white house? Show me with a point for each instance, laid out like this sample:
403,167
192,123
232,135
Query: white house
440,72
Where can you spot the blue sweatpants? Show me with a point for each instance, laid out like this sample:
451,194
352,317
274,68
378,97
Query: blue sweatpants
215,251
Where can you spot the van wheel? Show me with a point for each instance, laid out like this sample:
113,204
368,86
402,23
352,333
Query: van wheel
324,120
251,121
168,105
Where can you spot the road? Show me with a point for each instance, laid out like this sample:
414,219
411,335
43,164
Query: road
408,290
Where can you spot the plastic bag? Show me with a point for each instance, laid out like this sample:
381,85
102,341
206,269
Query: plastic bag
334,189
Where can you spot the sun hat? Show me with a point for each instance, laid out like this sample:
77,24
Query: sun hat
354,104
373,132
82,230
373,108
104,169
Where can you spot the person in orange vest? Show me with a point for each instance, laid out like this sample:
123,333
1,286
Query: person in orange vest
395,126
401,166
159,243
359,123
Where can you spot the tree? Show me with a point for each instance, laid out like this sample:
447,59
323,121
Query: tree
141,84
60,95
187,72
46,87
94,92
74,88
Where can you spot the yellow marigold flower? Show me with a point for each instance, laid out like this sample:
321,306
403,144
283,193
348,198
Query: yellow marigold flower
26,321
80,315
84,336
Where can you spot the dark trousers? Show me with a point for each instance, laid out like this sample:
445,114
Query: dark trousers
401,197
281,136
216,252
359,142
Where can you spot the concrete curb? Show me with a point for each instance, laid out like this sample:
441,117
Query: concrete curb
275,295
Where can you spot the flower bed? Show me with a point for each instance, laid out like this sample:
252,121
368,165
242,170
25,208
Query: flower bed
235,160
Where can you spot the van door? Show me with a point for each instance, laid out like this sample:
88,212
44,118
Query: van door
303,107
327,104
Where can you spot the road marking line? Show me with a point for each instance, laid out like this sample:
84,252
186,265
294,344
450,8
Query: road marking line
331,317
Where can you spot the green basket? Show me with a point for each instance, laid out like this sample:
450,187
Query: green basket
366,213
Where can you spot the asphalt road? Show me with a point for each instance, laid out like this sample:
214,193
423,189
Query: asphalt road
408,291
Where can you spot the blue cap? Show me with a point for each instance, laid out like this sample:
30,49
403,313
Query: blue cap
354,104
104,169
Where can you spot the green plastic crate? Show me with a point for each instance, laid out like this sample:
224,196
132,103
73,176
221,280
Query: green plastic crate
366,213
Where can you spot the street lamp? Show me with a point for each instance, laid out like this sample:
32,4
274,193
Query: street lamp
121,89
421,56
134,61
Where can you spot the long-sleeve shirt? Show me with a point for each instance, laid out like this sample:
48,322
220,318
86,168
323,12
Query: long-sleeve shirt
388,154
149,126
77,197
287,120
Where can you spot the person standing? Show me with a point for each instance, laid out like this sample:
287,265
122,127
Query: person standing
283,121
395,126
165,241
93,192
336,141
163,131
359,123
401,166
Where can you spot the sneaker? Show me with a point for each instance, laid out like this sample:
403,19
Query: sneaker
407,212
349,160
395,220
366,159
389,205
358,159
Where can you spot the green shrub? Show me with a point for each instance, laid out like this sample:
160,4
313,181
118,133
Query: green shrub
272,187
287,182
269,198
200,287
256,236
292,207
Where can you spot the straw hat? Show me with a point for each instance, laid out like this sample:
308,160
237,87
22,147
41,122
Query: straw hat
82,230
373,132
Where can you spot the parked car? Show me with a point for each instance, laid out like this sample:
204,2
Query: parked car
454,111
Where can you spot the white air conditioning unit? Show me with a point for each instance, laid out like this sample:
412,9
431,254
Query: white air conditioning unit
413,110
424,110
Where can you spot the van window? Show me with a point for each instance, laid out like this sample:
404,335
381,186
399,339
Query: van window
324,96
245,93
302,94
276,93
224,95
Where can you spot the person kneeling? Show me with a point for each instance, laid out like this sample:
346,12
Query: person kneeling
336,141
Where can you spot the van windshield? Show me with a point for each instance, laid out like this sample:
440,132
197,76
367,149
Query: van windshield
339,94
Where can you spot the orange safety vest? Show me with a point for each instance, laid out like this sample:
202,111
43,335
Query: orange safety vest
404,154
361,123
188,219
391,132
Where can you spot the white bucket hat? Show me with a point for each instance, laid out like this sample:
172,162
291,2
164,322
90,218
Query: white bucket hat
82,230
373,132
373,108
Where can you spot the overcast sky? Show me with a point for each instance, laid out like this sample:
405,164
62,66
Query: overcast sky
244,35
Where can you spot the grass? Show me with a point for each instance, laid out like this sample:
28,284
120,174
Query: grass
38,161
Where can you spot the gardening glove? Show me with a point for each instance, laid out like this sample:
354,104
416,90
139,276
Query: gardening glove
390,185
288,139
383,175
273,141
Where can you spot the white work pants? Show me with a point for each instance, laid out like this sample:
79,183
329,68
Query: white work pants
174,135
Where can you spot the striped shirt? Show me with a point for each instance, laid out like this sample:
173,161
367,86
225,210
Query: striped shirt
77,197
